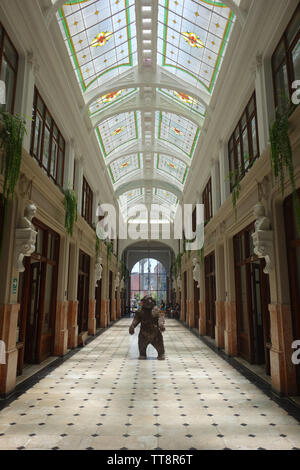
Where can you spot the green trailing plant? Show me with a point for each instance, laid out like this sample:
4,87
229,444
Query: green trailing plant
235,177
123,270
201,254
70,203
282,156
98,246
12,133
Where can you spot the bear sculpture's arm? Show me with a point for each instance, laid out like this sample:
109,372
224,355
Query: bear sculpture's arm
135,322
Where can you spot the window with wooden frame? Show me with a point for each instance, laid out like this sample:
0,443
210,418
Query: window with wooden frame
8,68
243,145
87,202
207,201
47,143
286,62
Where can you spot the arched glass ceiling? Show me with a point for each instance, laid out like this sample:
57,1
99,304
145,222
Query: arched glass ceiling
165,196
192,39
119,130
129,197
185,100
100,37
125,166
106,101
176,131
171,167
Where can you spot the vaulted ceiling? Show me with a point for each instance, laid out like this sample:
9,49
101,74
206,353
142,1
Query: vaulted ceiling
147,71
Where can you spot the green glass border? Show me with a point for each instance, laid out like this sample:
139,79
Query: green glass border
220,54
163,171
127,141
180,102
191,154
74,55
108,105
129,173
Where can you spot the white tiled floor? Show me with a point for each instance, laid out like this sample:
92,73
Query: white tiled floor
103,397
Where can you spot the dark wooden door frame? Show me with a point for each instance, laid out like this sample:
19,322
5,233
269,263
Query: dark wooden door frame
25,297
253,336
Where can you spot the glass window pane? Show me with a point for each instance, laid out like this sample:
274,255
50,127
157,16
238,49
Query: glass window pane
293,28
53,163
39,242
48,298
244,303
279,55
38,137
8,76
282,87
296,60
46,151
254,138
10,53
245,148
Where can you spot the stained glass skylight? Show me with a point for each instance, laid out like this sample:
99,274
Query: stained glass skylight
100,36
130,196
110,99
192,39
124,166
165,196
119,130
176,131
187,101
171,166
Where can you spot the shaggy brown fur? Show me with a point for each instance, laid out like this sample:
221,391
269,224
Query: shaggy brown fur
151,328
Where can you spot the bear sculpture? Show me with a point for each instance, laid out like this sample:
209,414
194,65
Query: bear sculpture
152,326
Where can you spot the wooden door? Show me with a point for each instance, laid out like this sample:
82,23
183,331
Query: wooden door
110,296
98,296
185,297
33,311
196,305
252,301
210,295
293,256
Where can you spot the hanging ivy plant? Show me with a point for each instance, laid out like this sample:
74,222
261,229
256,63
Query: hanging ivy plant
98,246
70,204
12,132
235,177
201,254
282,156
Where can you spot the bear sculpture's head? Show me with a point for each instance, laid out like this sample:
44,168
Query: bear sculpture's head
148,302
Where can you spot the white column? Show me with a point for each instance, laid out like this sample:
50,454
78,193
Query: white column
78,182
31,68
224,171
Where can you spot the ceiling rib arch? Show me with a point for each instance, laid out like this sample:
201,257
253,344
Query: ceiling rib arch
139,79
144,183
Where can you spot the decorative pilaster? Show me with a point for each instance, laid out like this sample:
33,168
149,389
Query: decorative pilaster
8,328
92,317
202,319
283,371
230,333
72,324
220,324
61,329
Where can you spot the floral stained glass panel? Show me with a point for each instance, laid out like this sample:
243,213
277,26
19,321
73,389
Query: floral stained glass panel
192,39
176,131
119,130
100,36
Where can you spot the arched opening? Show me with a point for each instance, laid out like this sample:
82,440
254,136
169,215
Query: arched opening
148,277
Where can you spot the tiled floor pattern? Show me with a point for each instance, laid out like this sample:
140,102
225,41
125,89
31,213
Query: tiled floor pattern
103,397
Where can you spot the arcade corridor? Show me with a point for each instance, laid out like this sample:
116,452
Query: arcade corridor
102,397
